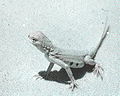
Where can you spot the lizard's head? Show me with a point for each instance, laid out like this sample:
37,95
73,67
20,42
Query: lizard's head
39,40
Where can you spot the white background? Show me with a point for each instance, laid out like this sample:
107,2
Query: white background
73,24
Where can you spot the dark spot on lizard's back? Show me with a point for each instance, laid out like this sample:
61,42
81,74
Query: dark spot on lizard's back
57,57
56,53
77,64
71,63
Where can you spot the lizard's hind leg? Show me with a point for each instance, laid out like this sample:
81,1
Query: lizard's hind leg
98,70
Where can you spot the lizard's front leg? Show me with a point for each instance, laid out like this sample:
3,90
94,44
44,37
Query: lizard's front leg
66,67
49,69
98,70
73,83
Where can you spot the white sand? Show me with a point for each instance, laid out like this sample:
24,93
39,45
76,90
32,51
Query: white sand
74,24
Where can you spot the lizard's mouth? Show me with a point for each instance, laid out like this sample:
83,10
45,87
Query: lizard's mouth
32,42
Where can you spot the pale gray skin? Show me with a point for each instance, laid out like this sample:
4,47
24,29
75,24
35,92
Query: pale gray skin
67,58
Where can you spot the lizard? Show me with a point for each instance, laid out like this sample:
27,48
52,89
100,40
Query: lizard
67,59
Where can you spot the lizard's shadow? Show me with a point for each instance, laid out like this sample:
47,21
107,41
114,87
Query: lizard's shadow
62,77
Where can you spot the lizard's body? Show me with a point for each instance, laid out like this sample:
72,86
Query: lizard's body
66,58
72,58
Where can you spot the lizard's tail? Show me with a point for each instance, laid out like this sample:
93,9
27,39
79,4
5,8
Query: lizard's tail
105,32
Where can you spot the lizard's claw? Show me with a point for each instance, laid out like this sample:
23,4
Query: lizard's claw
98,71
38,76
73,85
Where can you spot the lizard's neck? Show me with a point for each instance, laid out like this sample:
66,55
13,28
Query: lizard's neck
45,49
48,49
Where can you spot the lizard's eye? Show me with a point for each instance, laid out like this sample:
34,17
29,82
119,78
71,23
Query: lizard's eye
34,40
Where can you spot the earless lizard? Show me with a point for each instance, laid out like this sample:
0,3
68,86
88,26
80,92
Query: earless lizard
67,58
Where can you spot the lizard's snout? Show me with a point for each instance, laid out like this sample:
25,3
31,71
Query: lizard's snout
28,36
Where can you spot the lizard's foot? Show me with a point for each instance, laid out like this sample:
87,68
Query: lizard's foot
73,85
38,76
98,71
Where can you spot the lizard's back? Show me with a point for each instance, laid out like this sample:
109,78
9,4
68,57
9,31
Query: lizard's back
73,58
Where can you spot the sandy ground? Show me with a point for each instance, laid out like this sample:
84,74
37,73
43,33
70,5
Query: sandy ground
73,24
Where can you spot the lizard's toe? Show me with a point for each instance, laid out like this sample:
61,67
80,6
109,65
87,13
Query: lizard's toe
38,77
73,86
98,71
